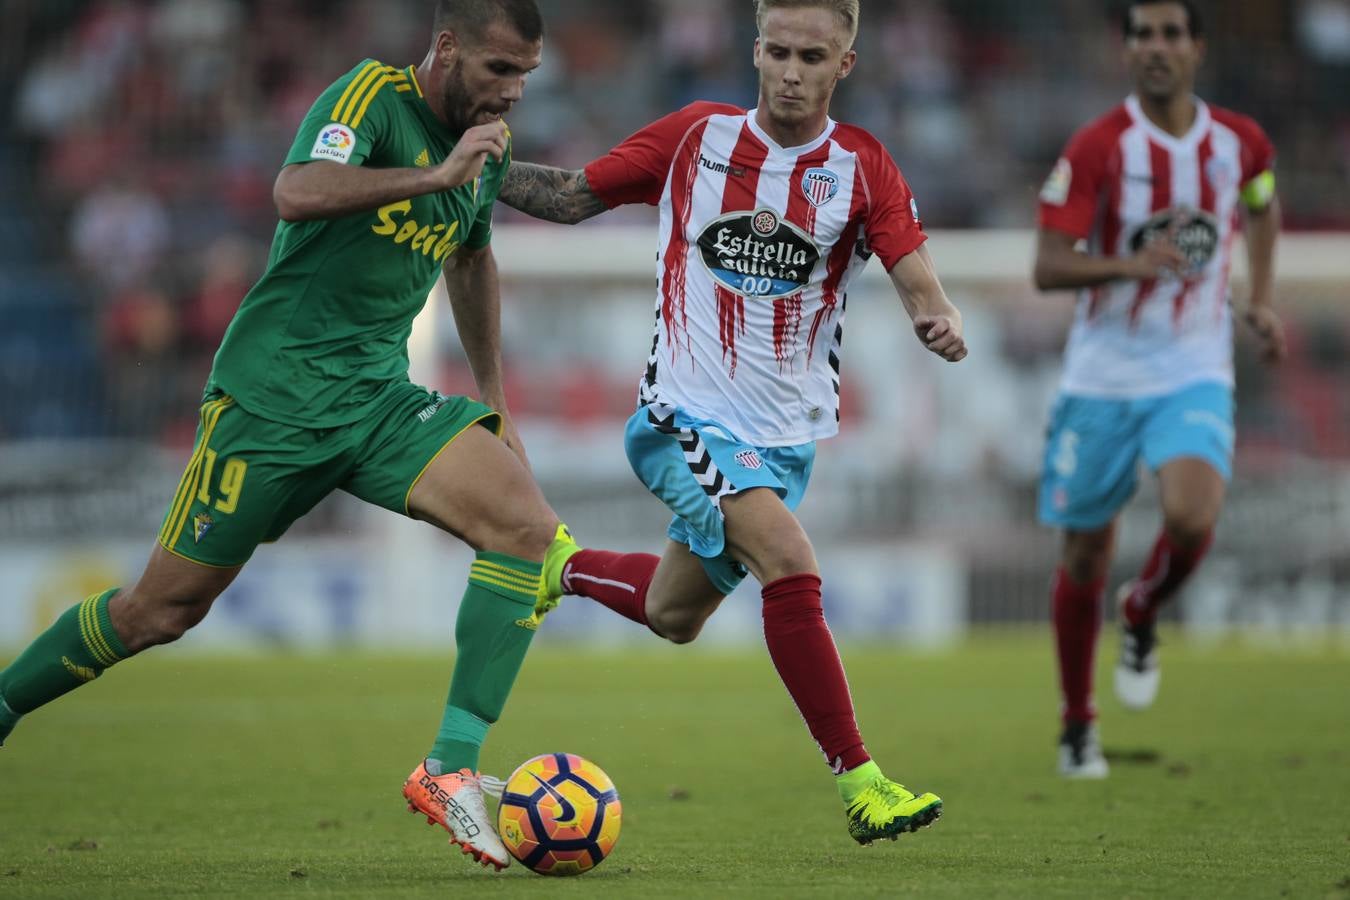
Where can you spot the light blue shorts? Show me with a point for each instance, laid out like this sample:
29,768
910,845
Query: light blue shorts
1093,447
691,464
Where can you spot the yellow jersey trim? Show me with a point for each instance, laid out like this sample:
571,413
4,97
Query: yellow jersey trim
351,87
380,82
371,78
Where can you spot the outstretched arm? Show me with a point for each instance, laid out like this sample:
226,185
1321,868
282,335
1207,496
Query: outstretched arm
937,323
555,195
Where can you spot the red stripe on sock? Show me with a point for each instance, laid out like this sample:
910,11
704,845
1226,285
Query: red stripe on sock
807,660
1168,567
617,580
1077,612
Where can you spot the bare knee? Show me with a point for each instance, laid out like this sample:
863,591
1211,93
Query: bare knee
143,620
771,560
1087,554
527,539
1189,528
676,626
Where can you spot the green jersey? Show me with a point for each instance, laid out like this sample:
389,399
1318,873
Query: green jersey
327,325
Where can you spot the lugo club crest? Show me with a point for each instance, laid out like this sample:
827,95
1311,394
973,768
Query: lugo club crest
758,254
1194,231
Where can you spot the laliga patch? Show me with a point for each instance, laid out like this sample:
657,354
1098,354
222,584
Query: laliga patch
1056,189
335,142
820,186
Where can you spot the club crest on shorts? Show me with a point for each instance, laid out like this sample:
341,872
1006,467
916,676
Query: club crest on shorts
749,459
201,524
820,186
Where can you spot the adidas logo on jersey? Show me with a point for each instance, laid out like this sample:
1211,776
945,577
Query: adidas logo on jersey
423,159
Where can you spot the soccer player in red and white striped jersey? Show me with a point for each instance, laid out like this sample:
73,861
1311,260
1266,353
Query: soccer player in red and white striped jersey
1140,215
765,216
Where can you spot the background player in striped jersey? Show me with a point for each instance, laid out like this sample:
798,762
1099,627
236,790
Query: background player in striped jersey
1157,189
391,180
765,216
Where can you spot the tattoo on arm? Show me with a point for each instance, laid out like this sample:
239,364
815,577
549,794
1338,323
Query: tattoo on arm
556,195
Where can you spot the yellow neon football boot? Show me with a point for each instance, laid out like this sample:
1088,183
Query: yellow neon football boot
559,552
886,809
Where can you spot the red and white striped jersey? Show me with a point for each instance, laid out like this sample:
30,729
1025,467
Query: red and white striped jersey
1122,182
757,246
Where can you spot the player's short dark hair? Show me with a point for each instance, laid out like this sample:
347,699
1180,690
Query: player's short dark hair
1194,22
471,18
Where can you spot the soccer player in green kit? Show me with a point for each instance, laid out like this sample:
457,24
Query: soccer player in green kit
390,181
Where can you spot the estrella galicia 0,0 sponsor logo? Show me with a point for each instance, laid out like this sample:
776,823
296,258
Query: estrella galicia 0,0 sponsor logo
758,254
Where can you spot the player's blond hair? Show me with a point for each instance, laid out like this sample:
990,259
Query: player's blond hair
847,10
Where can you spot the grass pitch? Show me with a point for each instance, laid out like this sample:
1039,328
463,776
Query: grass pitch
279,776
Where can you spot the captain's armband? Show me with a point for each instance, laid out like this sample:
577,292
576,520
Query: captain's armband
1258,192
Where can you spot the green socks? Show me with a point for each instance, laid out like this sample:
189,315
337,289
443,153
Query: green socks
492,635
855,781
75,650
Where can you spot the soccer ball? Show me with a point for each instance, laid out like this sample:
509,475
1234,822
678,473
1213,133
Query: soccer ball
559,814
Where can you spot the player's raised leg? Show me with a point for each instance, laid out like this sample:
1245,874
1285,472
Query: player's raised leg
671,594
172,595
1076,610
1192,494
477,489
767,538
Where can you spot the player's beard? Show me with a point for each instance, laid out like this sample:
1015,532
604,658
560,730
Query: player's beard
457,105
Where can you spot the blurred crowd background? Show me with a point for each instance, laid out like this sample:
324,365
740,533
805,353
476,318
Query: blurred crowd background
142,138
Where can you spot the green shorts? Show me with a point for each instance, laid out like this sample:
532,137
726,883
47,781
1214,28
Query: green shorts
249,478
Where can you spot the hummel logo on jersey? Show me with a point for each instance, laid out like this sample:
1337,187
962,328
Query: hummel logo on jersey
423,159
750,459
201,524
720,168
